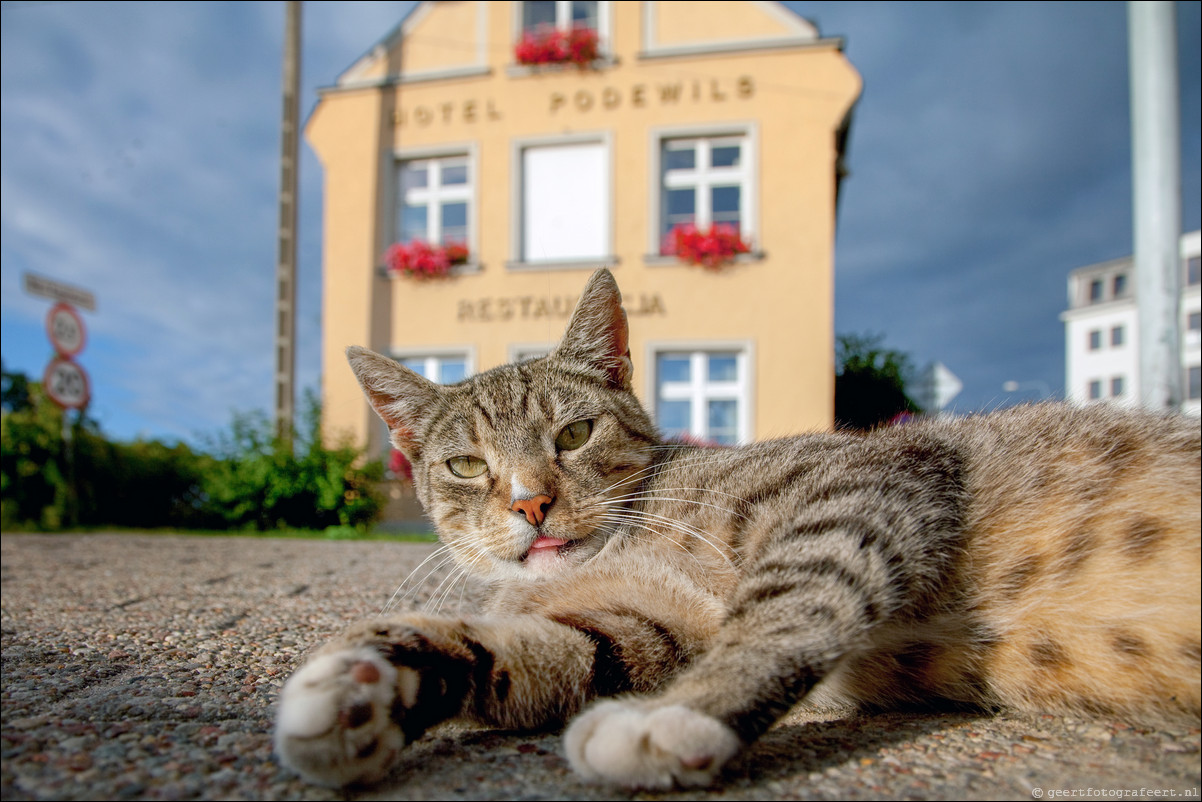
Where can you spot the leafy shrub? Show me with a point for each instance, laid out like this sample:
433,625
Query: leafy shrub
247,479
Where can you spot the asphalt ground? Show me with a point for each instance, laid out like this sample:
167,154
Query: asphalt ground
147,667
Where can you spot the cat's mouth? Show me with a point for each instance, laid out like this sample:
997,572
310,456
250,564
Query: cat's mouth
547,552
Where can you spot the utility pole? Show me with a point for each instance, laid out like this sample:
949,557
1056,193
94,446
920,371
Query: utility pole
285,302
1156,173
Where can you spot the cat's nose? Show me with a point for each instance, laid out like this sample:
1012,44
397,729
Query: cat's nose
535,509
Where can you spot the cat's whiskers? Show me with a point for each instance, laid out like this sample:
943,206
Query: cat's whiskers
445,588
640,517
397,597
652,494
623,522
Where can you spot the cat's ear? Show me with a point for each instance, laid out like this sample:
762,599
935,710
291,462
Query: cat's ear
402,398
597,336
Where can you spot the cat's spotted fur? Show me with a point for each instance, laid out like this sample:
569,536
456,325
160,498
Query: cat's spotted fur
1044,558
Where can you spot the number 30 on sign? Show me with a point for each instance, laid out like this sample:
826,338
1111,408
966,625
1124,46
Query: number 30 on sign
67,384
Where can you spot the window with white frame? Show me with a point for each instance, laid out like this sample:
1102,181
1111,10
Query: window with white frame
1118,336
704,181
434,197
562,14
1095,389
442,368
1095,339
565,202
1117,387
702,394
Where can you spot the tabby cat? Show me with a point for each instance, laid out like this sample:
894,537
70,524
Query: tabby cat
1042,558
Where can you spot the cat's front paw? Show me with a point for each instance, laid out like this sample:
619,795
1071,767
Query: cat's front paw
334,725
635,745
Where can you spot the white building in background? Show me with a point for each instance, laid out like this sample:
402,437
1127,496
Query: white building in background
1101,328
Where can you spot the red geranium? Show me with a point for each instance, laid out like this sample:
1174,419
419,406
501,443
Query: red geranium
399,466
549,45
420,259
713,248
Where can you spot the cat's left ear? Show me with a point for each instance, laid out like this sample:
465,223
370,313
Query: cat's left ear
403,399
597,336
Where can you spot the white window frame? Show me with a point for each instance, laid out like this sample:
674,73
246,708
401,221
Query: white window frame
699,390
518,257
747,175
469,193
563,21
435,356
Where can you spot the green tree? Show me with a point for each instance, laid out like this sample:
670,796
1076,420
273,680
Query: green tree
258,482
870,382
248,479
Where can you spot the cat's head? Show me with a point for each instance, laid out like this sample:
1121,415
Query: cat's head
523,467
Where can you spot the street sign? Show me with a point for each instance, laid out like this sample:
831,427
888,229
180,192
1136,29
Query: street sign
66,383
57,291
66,329
937,386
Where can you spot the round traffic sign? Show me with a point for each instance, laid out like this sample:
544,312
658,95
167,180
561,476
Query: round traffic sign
66,383
65,327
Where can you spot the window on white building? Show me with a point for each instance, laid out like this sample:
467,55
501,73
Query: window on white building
434,199
1193,382
702,394
1095,389
1117,386
1120,285
565,202
1117,336
1095,339
1193,271
1096,291
705,181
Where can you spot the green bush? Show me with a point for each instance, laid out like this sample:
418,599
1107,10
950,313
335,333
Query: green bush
246,479
258,482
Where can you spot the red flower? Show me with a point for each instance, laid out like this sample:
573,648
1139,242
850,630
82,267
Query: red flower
420,259
399,466
712,249
549,45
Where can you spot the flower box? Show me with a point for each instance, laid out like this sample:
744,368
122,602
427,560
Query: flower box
548,45
419,259
718,246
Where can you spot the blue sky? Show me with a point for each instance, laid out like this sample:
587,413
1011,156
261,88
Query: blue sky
990,155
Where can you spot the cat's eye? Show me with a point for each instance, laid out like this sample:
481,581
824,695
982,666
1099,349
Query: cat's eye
467,467
574,435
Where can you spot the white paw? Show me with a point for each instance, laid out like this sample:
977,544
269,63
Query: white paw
630,744
334,725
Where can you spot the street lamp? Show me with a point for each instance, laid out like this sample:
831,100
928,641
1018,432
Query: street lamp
1038,386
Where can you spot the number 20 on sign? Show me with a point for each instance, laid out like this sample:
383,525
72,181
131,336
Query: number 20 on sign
66,383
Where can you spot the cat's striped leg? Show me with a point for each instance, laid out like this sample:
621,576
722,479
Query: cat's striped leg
345,715
819,580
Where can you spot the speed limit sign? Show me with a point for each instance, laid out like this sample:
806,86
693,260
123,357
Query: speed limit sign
65,327
66,383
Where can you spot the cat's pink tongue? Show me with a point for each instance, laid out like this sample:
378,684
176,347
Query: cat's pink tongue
547,543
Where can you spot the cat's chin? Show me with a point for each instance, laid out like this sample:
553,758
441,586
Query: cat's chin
549,555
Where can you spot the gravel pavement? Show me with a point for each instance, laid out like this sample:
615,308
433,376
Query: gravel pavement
147,667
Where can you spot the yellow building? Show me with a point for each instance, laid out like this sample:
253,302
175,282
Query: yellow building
729,116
